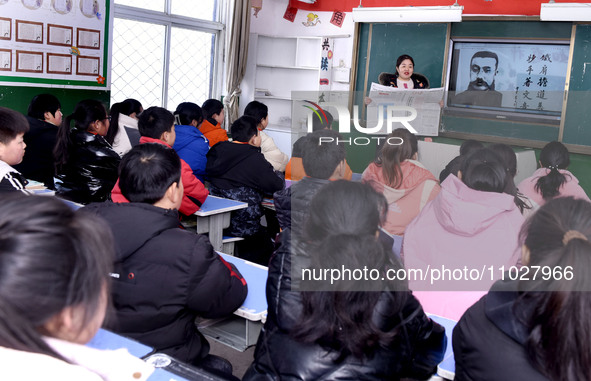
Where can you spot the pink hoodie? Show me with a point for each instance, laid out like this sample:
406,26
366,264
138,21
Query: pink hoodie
418,187
570,188
461,228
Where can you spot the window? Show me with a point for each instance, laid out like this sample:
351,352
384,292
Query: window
166,52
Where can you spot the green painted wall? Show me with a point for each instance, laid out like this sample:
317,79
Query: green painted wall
19,97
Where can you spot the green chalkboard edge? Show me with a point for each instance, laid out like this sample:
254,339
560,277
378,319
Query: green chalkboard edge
569,65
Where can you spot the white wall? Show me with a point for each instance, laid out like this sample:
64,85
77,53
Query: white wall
270,21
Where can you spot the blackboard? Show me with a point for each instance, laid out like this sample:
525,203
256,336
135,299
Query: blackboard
513,131
578,108
378,47
380,44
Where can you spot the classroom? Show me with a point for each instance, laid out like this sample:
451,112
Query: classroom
456,122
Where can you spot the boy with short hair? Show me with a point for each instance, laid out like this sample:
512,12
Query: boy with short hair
156,125
44,117
324,161
164,276
213,117
295,169
13,126
238,170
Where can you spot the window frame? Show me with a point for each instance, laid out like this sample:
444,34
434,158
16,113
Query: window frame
170,21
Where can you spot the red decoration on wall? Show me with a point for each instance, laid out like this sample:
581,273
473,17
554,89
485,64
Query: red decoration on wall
290,13
337,18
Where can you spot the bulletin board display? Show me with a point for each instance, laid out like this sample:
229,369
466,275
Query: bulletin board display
61,43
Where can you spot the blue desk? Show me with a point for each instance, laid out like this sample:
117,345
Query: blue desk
166,367
105,339
214,217
447,368
242,330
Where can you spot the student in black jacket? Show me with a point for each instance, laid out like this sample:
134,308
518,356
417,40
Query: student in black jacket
239,171
324,161
45,117
164,276
347,329
536,326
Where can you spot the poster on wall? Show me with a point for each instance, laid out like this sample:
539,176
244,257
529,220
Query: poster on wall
55,43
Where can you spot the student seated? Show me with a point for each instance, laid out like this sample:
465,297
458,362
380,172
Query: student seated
295,169
123,133
164,276
552,179
324,162
509,158
45,117
407,184
13,126
213,117
237,170
350,330
156,125
535,329
86,165
191,145
471,224
54,294
260,112
453,166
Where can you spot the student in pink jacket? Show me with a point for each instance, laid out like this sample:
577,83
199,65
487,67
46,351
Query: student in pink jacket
471,226
552,179
407,185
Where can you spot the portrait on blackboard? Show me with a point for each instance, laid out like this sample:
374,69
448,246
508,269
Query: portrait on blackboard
526,77
481,88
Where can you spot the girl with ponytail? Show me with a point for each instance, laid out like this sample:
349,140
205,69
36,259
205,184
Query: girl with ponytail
54,291
86,165
552,179
351,328
537,327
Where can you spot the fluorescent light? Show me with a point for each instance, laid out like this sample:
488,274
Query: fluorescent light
565,12
450,13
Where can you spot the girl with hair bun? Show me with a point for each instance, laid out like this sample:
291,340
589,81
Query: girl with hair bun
54,287
472,224
552,179
86,164
535,329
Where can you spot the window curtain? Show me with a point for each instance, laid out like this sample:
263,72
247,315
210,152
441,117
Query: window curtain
237,55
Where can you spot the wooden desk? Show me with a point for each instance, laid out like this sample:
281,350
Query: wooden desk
242,330
214,217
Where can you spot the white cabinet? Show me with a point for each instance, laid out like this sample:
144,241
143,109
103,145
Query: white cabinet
280,65
284,65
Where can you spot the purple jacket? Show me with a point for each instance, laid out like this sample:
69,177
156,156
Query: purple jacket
570,188
461,229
